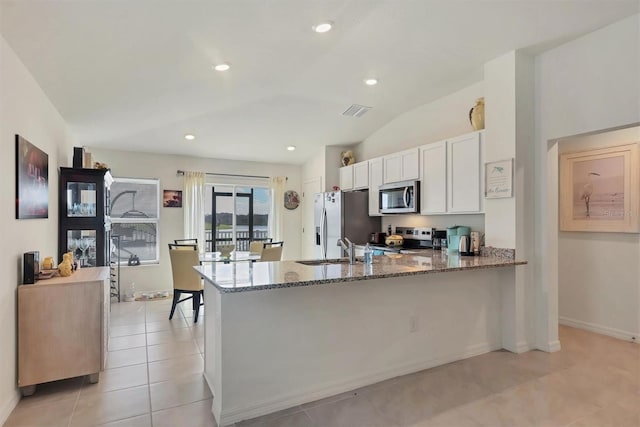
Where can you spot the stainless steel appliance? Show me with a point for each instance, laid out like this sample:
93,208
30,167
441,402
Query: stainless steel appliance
338,216
399,197
416,237
464,245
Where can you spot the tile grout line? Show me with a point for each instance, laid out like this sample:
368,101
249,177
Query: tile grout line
146,347
75,404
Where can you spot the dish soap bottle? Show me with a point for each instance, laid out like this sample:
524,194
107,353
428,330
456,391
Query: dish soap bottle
368,255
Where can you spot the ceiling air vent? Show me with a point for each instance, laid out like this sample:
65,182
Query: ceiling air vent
356,111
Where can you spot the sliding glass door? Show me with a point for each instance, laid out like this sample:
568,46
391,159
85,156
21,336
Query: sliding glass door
237,214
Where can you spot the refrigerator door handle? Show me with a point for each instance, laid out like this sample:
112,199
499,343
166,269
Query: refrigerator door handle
324,234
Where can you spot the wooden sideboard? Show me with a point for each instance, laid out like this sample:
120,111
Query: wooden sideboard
63,328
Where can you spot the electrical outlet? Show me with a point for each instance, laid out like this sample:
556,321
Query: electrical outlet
413,323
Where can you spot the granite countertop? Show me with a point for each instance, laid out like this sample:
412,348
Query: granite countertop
250,276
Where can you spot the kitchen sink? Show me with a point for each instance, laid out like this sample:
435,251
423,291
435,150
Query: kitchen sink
325,261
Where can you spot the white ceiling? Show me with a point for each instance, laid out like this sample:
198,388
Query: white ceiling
136,75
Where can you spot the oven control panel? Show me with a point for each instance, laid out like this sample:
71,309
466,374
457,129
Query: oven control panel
415,233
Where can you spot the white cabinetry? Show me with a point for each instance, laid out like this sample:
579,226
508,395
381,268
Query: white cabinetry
354,177
403,166
433,188
346,178
361,175
451,178
375,181
464,181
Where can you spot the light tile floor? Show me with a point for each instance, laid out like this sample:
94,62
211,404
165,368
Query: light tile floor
154,377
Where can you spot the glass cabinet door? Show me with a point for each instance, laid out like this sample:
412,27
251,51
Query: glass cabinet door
83,245
81,199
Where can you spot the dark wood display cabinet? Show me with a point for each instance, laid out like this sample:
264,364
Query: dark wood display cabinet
84,222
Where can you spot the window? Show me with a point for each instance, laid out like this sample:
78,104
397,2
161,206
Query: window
135,206
236,214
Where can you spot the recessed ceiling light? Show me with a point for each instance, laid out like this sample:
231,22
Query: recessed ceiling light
291,147
189,137
323,27
222,67
371,82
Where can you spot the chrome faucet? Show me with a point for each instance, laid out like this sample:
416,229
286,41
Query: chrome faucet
349,248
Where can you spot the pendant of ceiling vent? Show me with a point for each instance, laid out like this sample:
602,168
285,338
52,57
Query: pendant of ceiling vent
356,111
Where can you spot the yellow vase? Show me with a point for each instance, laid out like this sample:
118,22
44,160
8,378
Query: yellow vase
476,115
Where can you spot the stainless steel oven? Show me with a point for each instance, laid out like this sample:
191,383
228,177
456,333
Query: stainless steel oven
399,197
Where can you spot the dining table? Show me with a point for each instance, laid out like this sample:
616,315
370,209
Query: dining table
235,256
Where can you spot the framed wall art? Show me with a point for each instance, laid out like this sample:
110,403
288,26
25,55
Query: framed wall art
498,179
600,190
32,180
171,198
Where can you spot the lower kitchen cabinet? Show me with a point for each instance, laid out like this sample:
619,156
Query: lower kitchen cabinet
63,328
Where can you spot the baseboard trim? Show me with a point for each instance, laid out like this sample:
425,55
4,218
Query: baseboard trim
288,400
522,347
600,329
8,407
551,346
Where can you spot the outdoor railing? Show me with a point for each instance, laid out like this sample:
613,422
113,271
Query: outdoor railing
243,239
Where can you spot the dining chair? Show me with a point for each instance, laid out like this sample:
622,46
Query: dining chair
271,253
185,278
272,244
255,247
186,241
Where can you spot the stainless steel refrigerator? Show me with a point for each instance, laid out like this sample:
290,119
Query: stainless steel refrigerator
338,215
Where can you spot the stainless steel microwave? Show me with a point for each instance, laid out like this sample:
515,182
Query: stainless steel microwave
399,197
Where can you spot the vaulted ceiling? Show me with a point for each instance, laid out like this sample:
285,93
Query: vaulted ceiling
137,74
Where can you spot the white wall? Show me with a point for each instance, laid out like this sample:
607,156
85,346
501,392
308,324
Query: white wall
598,288
24,110
314,167
509,222
126,164
441,119
588,84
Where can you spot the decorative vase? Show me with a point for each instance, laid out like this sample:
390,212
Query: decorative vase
66,267
476,115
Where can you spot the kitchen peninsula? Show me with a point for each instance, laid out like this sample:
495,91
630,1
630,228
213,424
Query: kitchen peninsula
279,334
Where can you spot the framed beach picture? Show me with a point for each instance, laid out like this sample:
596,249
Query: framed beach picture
600,190
171,198
32,180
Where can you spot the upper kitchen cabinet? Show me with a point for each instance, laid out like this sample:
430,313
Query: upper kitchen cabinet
375,181
346,178
464,180
451,176
354,177
361,175
402,166
433,188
